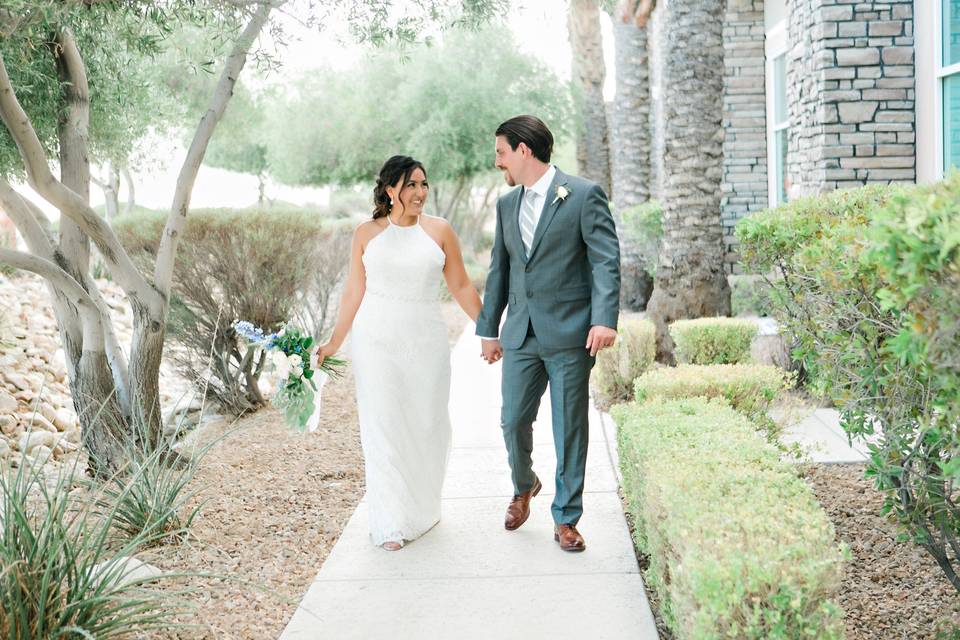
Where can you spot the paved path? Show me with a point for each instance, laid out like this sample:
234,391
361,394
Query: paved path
468,577
820,435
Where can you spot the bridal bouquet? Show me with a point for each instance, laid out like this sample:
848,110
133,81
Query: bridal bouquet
298,395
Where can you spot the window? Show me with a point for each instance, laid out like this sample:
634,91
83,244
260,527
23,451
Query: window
948,73
778,117
780,128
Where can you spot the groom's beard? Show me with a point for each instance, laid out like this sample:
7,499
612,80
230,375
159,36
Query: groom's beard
509,178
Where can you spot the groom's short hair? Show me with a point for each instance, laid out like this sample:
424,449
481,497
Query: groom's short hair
531,131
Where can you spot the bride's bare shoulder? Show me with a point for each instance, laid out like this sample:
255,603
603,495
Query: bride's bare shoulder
367,230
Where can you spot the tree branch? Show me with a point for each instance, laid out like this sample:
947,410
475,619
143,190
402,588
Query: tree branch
68,287
166,254
16,207
68,202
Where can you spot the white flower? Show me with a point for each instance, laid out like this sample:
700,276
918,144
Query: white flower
281,364
297,371
295,360
562,193
282,331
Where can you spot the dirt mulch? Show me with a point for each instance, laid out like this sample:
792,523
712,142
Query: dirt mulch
276,503
890,590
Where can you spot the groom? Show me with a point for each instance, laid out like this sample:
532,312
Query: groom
555,265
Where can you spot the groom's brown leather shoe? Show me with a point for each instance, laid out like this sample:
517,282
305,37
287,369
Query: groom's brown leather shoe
569,538
519,509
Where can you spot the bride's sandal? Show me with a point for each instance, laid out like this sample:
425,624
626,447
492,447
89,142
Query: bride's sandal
392,545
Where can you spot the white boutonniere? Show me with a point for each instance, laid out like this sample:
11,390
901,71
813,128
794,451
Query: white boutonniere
562,193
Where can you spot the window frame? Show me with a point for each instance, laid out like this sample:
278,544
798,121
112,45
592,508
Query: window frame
775,46
940,73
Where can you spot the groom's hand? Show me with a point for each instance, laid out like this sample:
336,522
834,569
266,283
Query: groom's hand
600,337
491,350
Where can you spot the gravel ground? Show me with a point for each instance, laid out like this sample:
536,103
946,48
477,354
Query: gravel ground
891,590
276,503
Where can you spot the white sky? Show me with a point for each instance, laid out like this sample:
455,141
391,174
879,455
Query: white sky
538,25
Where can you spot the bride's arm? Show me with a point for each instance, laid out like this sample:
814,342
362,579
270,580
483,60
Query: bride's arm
353,290
458,282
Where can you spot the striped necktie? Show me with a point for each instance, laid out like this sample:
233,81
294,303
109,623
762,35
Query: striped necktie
528,220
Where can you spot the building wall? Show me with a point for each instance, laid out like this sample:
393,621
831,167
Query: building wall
851,94
744,187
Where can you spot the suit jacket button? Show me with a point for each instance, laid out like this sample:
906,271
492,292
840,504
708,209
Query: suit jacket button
529,293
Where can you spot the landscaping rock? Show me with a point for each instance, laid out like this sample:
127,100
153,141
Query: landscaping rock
8,404
29,441
125,570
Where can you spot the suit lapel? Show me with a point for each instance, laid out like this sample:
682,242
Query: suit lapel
514,230
549,210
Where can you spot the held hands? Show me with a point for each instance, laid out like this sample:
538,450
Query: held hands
491,350
600,337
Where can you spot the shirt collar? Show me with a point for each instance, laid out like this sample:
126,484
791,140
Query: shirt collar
541,186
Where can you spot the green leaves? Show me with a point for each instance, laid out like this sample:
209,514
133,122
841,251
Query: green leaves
441,106
870,288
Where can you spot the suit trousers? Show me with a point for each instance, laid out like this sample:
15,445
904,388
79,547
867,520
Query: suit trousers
526,372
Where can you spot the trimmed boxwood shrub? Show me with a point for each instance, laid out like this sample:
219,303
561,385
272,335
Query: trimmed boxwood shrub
713,340
748,388
631,355
738,546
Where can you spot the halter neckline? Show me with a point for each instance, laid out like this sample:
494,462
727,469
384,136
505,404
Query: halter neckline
394,224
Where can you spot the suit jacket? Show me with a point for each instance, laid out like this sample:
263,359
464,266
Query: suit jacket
570,281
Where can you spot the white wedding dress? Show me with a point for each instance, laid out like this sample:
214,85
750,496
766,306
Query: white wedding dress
401,362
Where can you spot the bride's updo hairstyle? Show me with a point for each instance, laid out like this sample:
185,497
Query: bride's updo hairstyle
393,170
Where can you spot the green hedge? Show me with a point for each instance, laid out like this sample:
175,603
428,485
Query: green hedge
713,340
631,355
738,546
748,388
870,290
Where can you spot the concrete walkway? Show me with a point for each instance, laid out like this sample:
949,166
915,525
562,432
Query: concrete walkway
823,439
468,577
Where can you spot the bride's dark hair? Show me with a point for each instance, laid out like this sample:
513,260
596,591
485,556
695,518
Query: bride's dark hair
396,169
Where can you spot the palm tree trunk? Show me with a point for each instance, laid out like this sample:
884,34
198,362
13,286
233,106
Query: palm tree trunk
630,137
690,280
589,71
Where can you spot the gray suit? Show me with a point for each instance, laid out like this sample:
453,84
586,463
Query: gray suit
569,282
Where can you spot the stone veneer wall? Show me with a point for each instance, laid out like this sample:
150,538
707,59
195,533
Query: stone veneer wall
744,121
850,88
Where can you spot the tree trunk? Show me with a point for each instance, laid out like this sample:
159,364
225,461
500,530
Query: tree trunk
593,149
111,192
690,280
131,192
83,316
261,189
95,396
630,133
630,137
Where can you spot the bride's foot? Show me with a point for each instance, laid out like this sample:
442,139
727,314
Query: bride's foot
392,545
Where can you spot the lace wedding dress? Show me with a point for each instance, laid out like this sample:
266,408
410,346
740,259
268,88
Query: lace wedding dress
401,362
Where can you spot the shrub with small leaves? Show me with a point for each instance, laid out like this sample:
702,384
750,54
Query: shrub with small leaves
630,356
748,388
869,287
713,340
738,545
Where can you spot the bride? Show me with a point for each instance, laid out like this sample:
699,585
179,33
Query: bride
400,353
